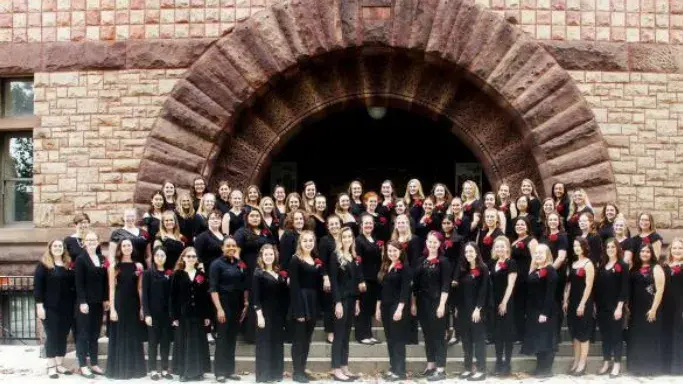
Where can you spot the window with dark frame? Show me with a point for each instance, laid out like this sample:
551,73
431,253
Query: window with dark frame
16,172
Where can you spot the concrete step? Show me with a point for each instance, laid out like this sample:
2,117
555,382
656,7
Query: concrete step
371,366
357,350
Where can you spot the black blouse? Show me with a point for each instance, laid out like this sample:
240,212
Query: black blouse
522,254
344,279
75,247
92,283
303,277
556,242
173,249
485,242
413,249
638,241
371,256
250,244
395,286
572,228
595,248
55,287
236,221
153,224
432,277
209,248
612,286
228,275
472,290
189,299
188,228
288,244
267,289
156,286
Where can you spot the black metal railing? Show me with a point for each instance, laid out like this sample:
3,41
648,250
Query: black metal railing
18,322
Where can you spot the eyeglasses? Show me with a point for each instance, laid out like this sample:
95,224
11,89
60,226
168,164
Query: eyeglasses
191,256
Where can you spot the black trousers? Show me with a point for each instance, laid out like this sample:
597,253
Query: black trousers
57,325
395,332
270,358
544,362
89,326
327,304
159,334
434,330
342,333
226,334
612,336
473,337
301,343
519,295
368,304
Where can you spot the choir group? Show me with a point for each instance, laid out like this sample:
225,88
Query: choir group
204,267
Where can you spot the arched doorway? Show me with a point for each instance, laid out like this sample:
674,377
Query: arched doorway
353,145
507,99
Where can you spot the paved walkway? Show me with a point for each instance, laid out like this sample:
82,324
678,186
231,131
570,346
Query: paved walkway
23,365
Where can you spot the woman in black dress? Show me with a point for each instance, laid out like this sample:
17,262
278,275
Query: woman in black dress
252,197
346,276
267,285
125,356
472,304
223,197
308,196
369,251
140,238
442,199
647,234
472,205
606,225
453,241
151,220
490,202
578,305
156,285
170,238
503,278
293,202
209,244
305,273
294,225
170,194
488,234
55,293
206,205
393,308
612,285
279,197
413,247
547,207
229,281
522,250
327,247
621,234
588,232
431,284
428,222
356,194
579,205
271,219
556,239
382,225
388,203
528,189
414,197
234,220
318,215
187,218
198,190
343,210
250,239
190,316
644,352
73,244
92,296
540,337
561,199
507,206
676,313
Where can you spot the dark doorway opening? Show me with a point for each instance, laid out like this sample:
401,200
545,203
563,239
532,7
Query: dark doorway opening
352,145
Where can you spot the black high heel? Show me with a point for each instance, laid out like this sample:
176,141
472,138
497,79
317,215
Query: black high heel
579,373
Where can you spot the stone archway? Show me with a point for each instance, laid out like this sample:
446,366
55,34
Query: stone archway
300,58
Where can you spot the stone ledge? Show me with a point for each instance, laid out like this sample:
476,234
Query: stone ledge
181,53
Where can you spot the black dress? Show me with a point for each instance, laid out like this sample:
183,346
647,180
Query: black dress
370,254
416,211
344,280
473,285
509,225
173,249
395,290
521,254
385,215
140,242
125,356
413,249
644,353
209,248
188,228
152,223
469,209
558,242
156,286
580,327
288,244
485,242
638,241
676,287
55,288
540,337
611,288
606,231
265,293
305,285
92,288
236,221
222,205
189,305
504,334
595,248
573,231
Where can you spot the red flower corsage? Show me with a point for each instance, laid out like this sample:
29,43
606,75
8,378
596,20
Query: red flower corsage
138,270
574,218
183,239
241,265
433,261
645,269
488,240
418,203
428,220
475,272
458,222
390,206
580,272
560,208
447,244
468,207
168,272
105,264
503,208
398,266
404,246
553,237
265,232
276,221
646,240
502,265
144,234
359,259
520,245
318,263
617,268
676,269
382,220
199,279
71,265
379,243
283,274
542,273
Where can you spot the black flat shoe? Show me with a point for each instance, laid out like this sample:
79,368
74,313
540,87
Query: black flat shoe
155,377
579,373
300,379
167,376
437,376
428,372
234,377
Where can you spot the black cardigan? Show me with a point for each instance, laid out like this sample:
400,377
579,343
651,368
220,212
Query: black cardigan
92,283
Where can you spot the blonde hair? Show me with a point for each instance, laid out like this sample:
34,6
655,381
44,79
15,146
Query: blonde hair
420,192
395,234
201,209
675,240
572,205
508,247
475,187
534,192
48,260
339,251
299,248
259,260
548,256
494,210
179,209
162,228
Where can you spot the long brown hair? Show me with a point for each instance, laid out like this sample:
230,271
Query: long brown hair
180,264
386,262
276,261
48,259
605,258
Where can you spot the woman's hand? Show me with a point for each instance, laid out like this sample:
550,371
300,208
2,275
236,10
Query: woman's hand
207,322
40,311
565,307
357,311
113,315
651,316
580,310
327,287
476,315
362,287
338,311
440,311
398,315
618,313
148,321
301,319
378,316
175,323
542,319
502,309
413,310
260,321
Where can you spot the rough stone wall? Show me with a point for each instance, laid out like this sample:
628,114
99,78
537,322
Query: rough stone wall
77,20
94,126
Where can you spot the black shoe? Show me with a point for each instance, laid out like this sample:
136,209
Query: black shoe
234,377
506,370
478,376
437,376
300,378
579,373
498,370
167,376
155,377
428,372
220,379
570,371
465,375
543,374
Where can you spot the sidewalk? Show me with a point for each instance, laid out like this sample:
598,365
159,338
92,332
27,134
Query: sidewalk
22,365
